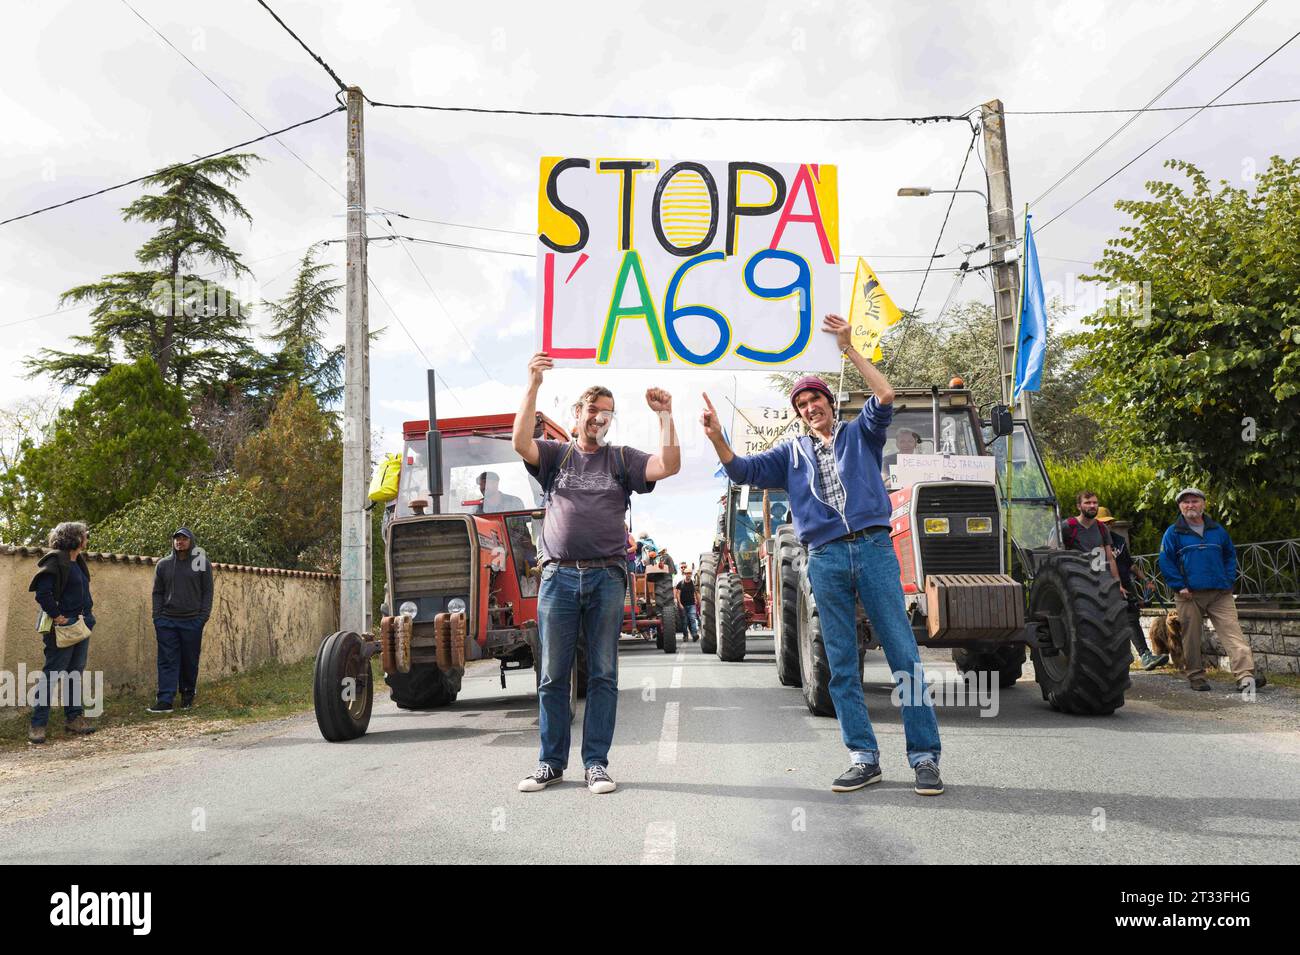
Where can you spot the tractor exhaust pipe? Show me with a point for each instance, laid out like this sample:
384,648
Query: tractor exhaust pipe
934,416
433,441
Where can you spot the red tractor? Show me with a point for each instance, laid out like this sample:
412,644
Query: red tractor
461,553
734,590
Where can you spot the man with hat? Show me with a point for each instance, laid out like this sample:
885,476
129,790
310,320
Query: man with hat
1199,564
907,441
1127,569
182,603
841,512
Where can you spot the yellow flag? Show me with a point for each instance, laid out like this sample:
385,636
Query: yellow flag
871,311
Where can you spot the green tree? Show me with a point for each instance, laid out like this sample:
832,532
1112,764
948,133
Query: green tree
1206,389
294,469
191,327
299,320
225,517
124,436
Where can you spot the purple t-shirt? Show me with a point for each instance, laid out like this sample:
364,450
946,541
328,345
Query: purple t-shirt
584,519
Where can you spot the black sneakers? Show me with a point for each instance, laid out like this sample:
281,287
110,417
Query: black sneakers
599,781
545,775
856,777
187,701
928,782
160,707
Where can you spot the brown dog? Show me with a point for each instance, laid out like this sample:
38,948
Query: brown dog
1166,636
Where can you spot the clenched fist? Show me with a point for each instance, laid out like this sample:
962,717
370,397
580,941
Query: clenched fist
659,400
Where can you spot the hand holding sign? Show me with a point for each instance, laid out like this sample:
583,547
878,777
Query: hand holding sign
841,329
537,366
712,426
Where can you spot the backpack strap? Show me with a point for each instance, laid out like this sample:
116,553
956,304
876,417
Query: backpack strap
548,479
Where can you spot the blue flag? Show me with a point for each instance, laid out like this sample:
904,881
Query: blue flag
1032,345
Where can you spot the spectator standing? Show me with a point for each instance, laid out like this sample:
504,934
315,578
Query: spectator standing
689,601
1127,569
182,603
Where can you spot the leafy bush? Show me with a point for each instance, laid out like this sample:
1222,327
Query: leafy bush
225,516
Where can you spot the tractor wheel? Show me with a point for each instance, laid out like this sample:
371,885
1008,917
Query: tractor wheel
732,621
1007,662
814,669
1090,674
666,604
708,616
424,688
342,688
785,618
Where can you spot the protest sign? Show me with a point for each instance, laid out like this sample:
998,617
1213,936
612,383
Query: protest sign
761,428
647,263
914,468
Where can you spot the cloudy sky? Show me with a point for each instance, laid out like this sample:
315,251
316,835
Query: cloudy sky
91,96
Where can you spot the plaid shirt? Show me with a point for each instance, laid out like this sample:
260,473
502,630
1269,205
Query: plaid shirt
829,485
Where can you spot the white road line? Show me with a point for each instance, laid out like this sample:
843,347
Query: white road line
660,844
668,737
676,682
681,657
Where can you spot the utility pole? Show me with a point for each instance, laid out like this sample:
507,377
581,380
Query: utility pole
1002,236
355,567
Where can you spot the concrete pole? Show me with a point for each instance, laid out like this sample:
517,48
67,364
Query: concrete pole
355,566
1002,236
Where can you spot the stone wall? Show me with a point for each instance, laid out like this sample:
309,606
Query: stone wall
258,614
1274,637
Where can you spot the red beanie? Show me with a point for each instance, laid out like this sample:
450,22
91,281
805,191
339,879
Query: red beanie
811,383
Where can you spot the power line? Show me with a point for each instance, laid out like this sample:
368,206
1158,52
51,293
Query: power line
458,225
917,120
975,133
1143,109
1128,122
1243,76
312,53
189,162
227,95
392,311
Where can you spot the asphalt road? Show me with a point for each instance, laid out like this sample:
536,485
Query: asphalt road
715,763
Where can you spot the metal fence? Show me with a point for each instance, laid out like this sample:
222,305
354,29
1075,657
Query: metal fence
1267,571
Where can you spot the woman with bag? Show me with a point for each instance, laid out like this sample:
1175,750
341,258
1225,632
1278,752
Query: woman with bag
62,588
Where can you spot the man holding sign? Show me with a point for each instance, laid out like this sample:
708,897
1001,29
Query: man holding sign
841,513
587,485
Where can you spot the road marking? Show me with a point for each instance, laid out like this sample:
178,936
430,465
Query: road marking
681,657
660,843
668,736
676,682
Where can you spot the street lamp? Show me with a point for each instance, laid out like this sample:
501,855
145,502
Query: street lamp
927,191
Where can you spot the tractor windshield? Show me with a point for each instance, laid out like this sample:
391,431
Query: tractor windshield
1033,517
482,474
747,528
912,432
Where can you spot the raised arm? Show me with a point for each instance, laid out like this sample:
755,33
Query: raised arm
765,469
526,418
669,459
875,379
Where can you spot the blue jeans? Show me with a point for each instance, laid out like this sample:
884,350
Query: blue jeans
58,661
571,599
179,644
867,567
693,621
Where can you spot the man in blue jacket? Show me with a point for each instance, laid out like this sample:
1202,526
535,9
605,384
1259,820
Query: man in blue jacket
1199,564
841,513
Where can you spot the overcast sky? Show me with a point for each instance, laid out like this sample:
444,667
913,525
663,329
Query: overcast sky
91,96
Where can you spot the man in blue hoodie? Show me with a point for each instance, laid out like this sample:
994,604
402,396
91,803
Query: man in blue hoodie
841,513
1199,564
182,603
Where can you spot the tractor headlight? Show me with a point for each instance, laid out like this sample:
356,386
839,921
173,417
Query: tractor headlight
408,609
455,605
979,525
936,525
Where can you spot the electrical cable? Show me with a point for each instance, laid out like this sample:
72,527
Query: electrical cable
312,53
1278,50
392,311
178,165
1143,109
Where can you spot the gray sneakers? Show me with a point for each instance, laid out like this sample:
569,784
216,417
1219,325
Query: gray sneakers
857,776
928,782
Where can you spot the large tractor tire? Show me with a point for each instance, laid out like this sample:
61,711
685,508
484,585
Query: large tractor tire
785,616
1090,674
814,668
666,605
1005,663
708,606
731,618
426,687
343,691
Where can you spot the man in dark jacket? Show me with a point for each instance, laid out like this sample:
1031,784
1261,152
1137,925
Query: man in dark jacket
841,513
1199,564
182,603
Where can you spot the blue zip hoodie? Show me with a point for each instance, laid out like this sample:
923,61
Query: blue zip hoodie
793,467
1188,559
